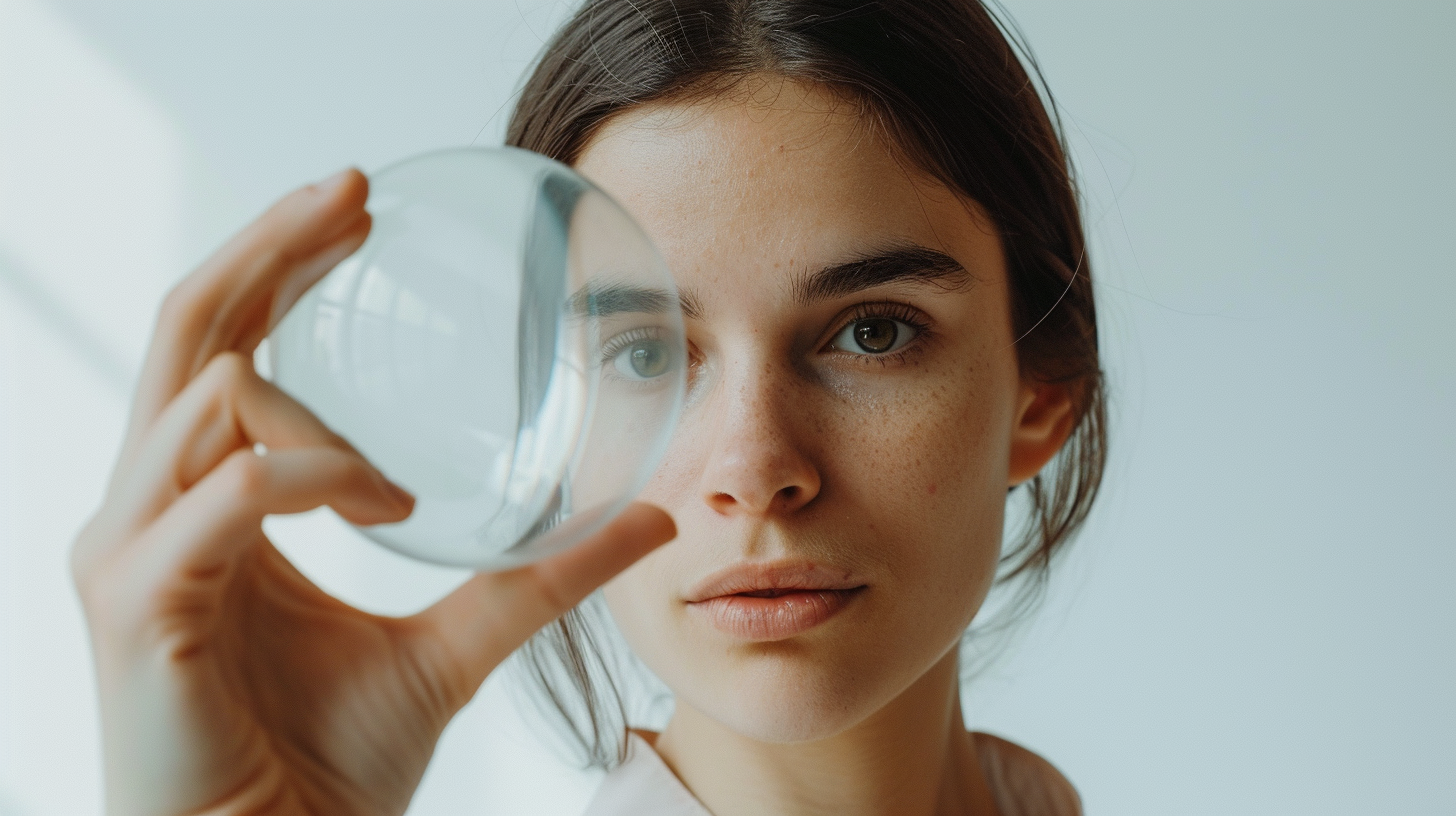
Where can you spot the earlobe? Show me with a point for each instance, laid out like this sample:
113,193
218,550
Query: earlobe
1044,419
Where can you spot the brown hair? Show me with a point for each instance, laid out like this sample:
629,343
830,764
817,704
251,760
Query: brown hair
944,79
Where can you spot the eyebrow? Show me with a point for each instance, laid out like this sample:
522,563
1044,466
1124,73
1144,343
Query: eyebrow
594,300
905,264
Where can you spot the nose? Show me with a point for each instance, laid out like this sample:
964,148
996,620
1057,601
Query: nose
758,465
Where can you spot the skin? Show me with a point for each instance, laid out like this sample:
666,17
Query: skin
796,444
230,684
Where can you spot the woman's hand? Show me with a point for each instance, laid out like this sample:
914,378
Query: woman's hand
229,683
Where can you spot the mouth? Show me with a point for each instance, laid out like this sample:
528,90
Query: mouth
767,602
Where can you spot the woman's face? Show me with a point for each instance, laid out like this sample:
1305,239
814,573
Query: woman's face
853,417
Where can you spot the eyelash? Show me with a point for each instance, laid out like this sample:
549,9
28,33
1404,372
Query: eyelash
627,338
864,311
892,310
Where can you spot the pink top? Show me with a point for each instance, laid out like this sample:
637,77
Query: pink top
643,784
1016,782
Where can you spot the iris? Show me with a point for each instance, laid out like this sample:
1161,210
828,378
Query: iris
647,359
876,335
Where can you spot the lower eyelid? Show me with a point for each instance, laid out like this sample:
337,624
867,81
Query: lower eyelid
913,348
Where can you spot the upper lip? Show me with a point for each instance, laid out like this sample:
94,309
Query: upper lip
780,575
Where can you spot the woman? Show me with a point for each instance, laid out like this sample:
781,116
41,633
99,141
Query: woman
890,325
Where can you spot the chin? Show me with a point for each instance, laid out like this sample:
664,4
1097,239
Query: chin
779,696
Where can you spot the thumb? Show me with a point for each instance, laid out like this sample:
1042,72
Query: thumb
493,613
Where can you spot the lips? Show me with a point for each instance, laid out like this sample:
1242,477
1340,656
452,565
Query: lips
766,602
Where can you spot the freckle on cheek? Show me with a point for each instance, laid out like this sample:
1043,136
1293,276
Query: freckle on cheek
932,488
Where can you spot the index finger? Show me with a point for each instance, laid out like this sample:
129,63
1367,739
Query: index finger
226,303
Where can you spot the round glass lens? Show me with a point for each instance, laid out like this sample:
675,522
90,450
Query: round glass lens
507,345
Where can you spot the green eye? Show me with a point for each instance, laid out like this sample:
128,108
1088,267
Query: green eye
643,360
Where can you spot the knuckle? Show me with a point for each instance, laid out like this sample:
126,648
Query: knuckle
284,256
272,228
179,298
79,555
244,475
93,574
180,306
227,369
226,375
185,309
79,562
81,559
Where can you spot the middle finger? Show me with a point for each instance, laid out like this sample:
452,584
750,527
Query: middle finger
226,407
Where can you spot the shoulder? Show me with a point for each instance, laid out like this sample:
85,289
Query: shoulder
1023,783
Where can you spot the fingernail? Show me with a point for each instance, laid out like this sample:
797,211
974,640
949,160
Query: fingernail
333,182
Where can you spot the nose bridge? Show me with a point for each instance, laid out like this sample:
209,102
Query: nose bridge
758,464
755,393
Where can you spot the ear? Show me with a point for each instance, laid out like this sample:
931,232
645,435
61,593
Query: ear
1043,423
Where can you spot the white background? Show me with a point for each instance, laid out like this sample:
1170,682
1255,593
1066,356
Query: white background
1260,617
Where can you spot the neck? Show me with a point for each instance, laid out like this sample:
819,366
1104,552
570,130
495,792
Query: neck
912,757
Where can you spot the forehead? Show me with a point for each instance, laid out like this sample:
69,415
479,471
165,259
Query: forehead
773,174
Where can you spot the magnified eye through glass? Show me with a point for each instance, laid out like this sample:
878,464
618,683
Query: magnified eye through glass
507,345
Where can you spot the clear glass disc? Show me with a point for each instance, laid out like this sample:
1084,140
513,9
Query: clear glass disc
507,345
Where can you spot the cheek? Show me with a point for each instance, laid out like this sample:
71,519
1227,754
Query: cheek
674,484
639,605
924,470
931,447
642,598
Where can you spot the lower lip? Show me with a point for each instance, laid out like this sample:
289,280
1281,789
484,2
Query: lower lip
765,619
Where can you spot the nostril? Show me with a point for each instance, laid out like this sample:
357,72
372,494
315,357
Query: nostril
759,498
788,497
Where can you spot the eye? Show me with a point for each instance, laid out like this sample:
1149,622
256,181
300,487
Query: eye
874,335
644,358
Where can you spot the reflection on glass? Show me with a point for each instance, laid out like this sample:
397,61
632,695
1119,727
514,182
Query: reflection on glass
507,345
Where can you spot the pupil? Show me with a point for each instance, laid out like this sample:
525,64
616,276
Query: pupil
648,360
875,336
